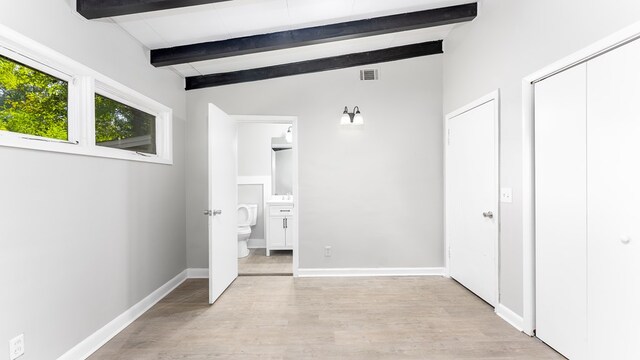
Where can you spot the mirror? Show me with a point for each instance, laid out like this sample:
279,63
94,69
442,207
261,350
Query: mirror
281,168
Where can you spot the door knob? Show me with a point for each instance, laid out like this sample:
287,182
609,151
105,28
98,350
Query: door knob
488,214
625,239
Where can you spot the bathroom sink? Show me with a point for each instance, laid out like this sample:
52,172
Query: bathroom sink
281,200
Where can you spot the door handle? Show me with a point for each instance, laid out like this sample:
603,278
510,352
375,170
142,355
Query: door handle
212,212
286,223
488,214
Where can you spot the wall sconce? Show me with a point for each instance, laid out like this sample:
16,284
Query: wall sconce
289,135
354,118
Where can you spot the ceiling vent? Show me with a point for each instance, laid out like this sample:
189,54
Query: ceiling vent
369,74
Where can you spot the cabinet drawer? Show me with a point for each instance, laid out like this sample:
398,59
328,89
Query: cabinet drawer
281,210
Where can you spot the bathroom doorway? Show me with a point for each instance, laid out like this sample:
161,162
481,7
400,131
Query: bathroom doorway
267,195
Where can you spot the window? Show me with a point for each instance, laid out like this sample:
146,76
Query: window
49,102
32,102
124,127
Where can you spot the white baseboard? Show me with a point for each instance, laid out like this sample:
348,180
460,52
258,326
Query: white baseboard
92,343
257,244
509,316
198,273
346,272
89,345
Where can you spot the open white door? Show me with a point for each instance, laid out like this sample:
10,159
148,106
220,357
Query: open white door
223,202
472,198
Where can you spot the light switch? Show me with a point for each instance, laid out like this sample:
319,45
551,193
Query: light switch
506,195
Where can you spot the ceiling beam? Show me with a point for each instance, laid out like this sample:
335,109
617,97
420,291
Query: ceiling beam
313,35
317,65
95,9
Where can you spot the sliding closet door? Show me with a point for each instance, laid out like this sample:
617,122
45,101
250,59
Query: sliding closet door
614,204
561,207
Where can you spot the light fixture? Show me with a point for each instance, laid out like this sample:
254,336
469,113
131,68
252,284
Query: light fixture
289,135
354,118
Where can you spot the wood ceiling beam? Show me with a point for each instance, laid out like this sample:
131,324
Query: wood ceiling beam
317,65
313,35
96,9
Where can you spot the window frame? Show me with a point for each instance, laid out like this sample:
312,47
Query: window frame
73,132
163,126
83,83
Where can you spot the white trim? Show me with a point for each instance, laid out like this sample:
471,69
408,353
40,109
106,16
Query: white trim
92,343
350,272
509,316
619,38
269,119
296,198
81,114
198,273
96,340
495,97
293,120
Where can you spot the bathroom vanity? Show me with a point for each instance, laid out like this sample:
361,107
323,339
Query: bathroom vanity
279,225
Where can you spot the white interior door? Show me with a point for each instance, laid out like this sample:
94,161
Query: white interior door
561,211
223,202
472,199
613,188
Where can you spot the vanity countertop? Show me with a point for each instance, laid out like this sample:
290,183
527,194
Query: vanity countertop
279,201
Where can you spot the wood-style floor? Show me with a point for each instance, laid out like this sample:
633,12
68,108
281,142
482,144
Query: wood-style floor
323,318
258,263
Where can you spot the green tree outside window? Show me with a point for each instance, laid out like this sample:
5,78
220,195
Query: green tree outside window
32,102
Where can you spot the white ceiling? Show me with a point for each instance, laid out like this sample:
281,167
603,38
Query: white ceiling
230,19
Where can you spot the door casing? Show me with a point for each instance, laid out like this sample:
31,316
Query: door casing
293,121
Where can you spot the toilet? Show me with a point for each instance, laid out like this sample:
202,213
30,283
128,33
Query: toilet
247,216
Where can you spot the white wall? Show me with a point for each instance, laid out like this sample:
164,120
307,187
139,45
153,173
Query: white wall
254,147
373,193
508,41
254,159
83,238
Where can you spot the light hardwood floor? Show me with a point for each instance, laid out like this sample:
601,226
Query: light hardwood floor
258,263
323,318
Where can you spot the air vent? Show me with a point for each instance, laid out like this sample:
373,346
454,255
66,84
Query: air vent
369,74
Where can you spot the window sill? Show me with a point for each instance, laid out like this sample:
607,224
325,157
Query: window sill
11,140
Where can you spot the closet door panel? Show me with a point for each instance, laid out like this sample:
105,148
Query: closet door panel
613,190
561,207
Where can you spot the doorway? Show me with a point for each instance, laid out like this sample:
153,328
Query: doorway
265,186
471,196
224,212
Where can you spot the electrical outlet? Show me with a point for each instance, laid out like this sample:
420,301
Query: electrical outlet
16,347
327,251
506,195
